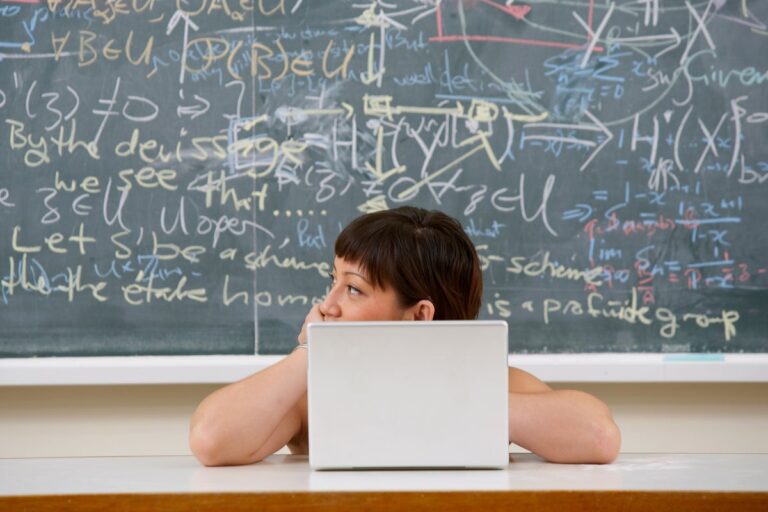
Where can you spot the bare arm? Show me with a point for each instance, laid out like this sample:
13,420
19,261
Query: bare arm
251,419
563,426
246,421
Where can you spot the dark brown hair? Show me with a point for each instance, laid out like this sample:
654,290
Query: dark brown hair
421,254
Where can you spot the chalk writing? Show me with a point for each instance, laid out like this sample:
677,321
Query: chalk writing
175,173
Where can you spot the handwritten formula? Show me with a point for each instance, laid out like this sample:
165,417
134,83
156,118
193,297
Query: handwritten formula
173,174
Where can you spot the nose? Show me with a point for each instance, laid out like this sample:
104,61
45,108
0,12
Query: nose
329,308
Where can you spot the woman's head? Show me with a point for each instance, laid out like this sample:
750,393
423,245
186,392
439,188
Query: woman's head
418,256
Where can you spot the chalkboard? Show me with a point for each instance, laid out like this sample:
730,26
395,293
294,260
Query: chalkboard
173,174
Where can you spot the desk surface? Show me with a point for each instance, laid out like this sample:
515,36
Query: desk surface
290,473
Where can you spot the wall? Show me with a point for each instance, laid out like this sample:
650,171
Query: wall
152,420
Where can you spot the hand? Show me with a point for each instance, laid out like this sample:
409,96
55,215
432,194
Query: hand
314,315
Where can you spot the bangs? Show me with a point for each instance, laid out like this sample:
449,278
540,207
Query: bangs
370,246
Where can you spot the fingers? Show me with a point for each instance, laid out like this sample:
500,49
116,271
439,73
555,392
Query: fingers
314,315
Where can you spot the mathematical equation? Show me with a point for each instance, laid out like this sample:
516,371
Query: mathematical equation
181,164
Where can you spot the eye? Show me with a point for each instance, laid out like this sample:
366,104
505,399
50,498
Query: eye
353,291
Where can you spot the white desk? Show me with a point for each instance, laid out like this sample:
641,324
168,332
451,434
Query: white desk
172,482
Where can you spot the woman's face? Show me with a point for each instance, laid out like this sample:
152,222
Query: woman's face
353,297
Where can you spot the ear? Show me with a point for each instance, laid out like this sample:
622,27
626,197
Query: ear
422,310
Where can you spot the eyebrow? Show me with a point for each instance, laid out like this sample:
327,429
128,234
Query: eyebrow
361,276
349,272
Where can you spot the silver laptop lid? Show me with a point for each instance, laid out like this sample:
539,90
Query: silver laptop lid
408,394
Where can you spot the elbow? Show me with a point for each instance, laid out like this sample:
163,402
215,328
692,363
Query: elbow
607,442
211,447
204,445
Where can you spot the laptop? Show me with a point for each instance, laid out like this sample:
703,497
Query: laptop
408,394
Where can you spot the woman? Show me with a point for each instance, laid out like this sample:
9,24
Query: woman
402,264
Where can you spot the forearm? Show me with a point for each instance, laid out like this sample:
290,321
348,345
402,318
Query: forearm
563,426
233,423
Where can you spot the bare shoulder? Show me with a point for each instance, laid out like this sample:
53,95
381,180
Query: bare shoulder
299,444
521,381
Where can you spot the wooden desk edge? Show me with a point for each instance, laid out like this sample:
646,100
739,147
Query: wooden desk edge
545,501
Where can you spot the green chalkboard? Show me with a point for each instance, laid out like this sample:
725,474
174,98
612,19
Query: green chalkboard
173,174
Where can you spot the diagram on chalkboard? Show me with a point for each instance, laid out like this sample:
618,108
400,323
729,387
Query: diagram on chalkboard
453,21
173,175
